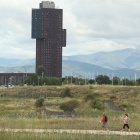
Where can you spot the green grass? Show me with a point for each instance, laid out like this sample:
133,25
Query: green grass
63,136
65,123
17,107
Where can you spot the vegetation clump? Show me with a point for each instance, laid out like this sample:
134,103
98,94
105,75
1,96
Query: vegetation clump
113,97
125,107
103,79
39,102
91,96
66,93
69,106
96,104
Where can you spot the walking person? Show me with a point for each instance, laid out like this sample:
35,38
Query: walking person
125,122
104,122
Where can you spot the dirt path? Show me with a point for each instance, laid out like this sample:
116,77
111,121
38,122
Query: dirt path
73,131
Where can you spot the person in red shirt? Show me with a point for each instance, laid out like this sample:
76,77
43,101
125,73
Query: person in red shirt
104,121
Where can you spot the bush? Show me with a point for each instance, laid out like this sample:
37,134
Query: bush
113,97
97,104
91,96
125,107
39,102
52,81
69,106
66,93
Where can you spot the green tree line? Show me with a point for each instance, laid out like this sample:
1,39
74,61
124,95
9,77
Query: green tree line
36,79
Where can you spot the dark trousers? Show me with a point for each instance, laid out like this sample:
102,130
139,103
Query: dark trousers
125,125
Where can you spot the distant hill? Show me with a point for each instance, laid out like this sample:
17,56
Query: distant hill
122,63
127,58
79,69
26,68
16,62
91,70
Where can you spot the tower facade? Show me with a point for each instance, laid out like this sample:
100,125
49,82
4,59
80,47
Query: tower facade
47,29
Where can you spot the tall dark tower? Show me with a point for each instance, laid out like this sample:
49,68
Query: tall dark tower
47,28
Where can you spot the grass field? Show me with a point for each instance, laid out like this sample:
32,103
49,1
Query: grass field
17,107
66,123
56,136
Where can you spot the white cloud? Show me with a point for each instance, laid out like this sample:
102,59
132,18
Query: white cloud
105,26
96,46
92,26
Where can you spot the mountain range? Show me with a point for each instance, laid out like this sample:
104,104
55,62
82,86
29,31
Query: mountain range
126,58
122,63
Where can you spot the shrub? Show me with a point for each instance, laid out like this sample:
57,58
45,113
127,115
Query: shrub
69,106
66,93
39,102
124,107
91,87
91,96
113,97
97,104
52,81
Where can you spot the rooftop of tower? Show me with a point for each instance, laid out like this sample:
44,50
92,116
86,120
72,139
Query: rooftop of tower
47,4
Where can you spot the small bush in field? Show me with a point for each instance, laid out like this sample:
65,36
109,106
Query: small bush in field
96,104
39,102
66,93
124,107
69,106
91,96
113,97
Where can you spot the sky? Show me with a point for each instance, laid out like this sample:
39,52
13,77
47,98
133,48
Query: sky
92,26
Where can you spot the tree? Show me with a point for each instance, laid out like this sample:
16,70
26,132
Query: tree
138,81
103,79
91,81
32,79
116,80
40,70
128,82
